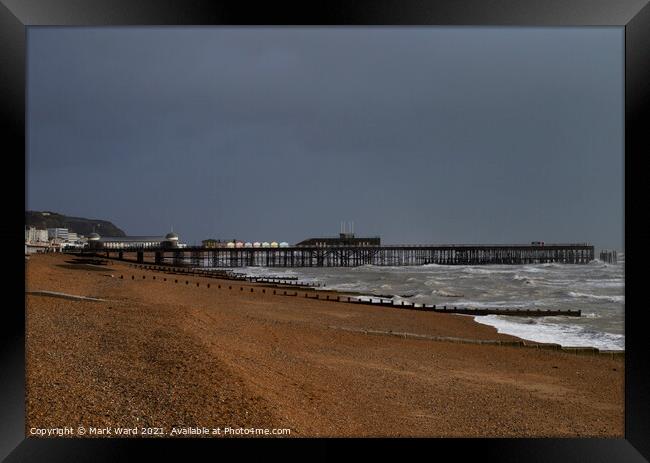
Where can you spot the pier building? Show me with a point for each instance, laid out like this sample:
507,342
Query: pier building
169,241
344,239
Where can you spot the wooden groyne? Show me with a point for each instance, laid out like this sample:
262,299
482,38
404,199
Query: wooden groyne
581,350
374,301
447,309
226,275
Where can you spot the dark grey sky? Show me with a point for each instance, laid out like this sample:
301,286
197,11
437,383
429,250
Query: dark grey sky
441,135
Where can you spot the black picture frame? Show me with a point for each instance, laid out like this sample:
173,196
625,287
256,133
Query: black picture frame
634,15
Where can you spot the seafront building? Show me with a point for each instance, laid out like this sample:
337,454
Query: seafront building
51,240
57,233
34,235
58,239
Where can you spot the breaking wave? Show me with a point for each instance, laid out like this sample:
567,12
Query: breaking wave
596,297
548,331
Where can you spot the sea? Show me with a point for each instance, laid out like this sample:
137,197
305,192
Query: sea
597,289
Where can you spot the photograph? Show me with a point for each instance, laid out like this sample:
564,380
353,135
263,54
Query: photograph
320,232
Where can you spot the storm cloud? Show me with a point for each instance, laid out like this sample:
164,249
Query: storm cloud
419,135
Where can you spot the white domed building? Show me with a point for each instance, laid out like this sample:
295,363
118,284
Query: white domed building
171,240
94,240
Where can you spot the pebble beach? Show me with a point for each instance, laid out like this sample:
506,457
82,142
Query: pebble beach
115,347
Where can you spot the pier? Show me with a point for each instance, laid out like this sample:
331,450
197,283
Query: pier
608,257
354,256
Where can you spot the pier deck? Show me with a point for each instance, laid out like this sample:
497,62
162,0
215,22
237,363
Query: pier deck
354,256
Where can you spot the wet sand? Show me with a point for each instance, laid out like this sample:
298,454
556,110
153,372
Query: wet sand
164,354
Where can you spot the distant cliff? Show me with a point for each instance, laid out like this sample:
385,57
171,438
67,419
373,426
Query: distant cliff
79,225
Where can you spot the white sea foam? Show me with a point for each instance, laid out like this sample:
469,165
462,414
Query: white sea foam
530,269
478,271
370,297
349,286
551,265
487,269
597,296
563,334
501,304
591,315
443,293
606,283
